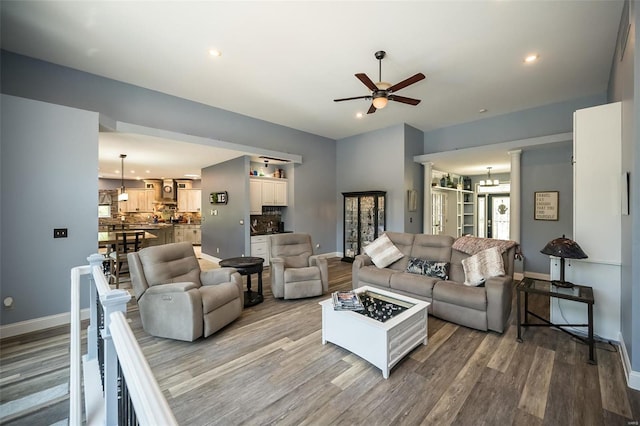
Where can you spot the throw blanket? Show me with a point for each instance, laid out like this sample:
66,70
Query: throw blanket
473,245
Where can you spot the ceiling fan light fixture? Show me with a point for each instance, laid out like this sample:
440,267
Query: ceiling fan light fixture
379,101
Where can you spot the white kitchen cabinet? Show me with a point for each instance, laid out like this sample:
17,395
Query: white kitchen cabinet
255,196
189,200
188,233
140,200
260,248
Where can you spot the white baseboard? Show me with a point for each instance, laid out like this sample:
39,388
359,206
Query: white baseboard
633,377
38,324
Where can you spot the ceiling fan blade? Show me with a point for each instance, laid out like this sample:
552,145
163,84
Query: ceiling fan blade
404,100
367,82
404,83
372,109
350,99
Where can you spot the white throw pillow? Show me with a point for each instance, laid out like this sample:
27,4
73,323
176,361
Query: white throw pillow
382,251
485,264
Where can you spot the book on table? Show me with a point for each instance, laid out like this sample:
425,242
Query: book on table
346,301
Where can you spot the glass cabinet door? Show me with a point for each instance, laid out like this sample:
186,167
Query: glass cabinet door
351,227
364,221
367,221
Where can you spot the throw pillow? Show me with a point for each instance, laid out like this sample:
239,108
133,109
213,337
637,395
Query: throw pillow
382,251
431,268
486,264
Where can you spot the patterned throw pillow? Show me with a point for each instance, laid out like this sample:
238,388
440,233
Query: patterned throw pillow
431,268
382,251
485,264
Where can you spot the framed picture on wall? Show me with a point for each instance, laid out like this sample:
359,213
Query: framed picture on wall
546,205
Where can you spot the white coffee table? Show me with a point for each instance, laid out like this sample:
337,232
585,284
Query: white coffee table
383,344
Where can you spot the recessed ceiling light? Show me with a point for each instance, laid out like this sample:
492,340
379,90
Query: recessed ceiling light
531,58
215,52
147,171
482,110
359,115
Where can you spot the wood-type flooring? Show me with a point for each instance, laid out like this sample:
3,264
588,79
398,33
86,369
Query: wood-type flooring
270,367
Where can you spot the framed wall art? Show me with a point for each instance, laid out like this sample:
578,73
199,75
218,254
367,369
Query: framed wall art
546,205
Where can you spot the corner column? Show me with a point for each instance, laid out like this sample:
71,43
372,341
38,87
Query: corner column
426,214
515,196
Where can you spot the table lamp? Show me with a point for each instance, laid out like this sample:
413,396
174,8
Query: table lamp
564,248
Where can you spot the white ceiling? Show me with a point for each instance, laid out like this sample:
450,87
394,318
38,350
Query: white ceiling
285,62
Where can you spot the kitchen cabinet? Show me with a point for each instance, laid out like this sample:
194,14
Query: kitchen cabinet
364,221
255,196
188,233
164,234
267,192
140,200
189,200
260,248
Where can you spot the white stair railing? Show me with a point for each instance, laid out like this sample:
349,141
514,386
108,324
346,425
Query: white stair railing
119,387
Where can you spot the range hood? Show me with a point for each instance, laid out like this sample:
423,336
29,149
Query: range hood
169,191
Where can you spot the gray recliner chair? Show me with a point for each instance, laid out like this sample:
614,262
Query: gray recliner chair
295,271
179,301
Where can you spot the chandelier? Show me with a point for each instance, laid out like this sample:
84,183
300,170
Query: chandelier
488,181
123,196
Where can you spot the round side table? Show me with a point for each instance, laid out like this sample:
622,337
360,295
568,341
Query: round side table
247,266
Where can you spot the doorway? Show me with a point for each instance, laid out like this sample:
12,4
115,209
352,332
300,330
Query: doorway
494,215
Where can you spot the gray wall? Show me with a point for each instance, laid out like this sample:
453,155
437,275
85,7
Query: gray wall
224,231
545,169
541,121
624,86
49,159
314,179
413,178
373,161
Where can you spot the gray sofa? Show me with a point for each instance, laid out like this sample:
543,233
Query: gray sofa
486,307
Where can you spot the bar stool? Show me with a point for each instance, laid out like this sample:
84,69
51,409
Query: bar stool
125,242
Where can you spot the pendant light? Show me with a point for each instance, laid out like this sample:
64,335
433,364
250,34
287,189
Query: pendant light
489,181
123,196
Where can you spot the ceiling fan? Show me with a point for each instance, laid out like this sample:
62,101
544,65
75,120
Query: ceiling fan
382,92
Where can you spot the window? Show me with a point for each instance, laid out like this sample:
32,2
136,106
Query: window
104,210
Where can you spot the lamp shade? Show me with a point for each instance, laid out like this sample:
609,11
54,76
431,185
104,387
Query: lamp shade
379,102
564,248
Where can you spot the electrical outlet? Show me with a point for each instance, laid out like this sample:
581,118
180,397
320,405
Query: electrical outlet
60,233
217,249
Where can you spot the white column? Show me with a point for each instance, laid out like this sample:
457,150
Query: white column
515,195
426,214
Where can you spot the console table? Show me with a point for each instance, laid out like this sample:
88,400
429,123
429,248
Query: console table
577,293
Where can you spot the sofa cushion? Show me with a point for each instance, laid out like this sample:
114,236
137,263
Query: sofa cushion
382,251
217,295
376,276
431,268
170,263
433,247
420,285
486,264
404,243
460,295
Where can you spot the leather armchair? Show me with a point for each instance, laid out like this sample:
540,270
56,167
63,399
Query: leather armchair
179,301
295,272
